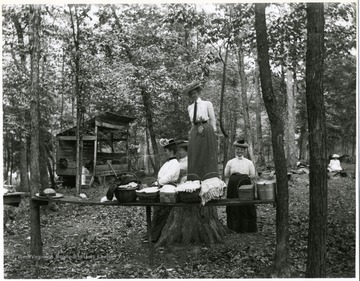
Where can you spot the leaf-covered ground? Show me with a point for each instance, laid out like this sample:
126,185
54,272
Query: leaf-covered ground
97,242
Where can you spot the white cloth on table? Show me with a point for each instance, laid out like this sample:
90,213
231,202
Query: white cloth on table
212,188
188,186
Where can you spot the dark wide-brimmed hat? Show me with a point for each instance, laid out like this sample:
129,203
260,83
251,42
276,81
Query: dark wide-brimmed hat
192,86
241,143
182,143
167,142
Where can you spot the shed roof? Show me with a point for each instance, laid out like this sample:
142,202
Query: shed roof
107,117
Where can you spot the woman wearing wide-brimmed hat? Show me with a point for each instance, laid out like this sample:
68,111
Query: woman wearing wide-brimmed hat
168,174
334,165
202,145
240,170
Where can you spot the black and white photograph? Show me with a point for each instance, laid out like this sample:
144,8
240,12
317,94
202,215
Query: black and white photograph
179,140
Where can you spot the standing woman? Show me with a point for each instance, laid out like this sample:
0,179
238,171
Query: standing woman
240,170
202,146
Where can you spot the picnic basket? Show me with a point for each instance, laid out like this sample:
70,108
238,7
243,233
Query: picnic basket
126,194
246,192
190,197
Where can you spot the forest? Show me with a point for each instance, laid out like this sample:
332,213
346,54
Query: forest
65,64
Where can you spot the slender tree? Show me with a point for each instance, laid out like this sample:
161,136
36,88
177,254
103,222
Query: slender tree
35,25
316,260
275,108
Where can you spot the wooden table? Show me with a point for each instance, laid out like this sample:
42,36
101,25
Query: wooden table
13,198
36,202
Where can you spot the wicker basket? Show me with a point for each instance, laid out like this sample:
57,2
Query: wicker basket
126,195
148,197
190,197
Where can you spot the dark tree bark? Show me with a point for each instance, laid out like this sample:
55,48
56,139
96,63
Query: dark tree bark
290,120
149,121
24,178
275,108
75,25
34,24
222,94
258,109
44,176
316,260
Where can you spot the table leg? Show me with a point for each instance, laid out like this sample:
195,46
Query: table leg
35,229
150,243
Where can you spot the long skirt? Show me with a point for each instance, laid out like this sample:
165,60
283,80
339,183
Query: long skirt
202,153
159,218
240,218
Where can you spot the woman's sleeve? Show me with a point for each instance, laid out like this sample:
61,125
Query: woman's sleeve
211,113
172,174
227,170
190,115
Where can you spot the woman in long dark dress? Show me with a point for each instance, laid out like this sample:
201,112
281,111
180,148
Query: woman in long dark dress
240,170
202,146
168,174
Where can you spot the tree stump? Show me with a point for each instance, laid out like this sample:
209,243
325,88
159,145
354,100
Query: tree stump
193,224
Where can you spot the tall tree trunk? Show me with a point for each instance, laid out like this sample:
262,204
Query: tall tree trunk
44,176
316,260
244,101
62,93
222,94
24,178
8,160
149,120
11,162
34,19
75,25
290,120
258,109
275,108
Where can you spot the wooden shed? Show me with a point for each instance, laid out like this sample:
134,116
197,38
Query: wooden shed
105,147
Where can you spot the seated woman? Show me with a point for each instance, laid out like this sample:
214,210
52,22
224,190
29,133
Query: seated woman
168,174
240,170
334,165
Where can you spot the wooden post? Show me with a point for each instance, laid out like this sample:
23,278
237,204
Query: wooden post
35,229
148,227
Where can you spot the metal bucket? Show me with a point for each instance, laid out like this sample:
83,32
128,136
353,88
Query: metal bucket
266,190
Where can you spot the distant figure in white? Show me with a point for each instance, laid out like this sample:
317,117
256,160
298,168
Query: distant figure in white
334,165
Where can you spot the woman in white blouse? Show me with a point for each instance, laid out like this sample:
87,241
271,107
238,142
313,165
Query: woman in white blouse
168,174
240,170
202,146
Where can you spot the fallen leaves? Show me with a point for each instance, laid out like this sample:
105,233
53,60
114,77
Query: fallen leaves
94,242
